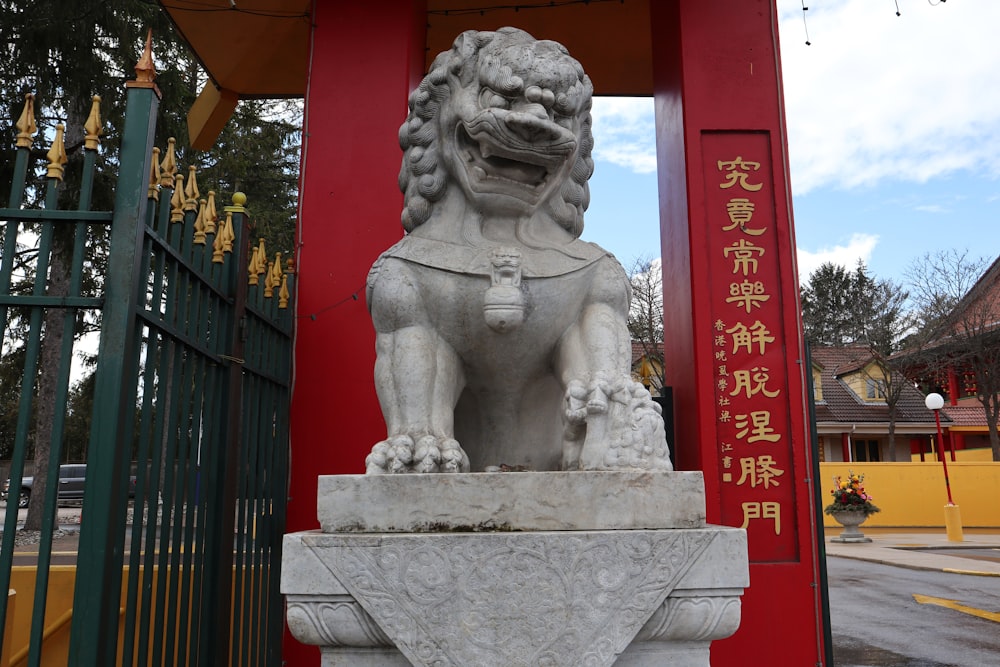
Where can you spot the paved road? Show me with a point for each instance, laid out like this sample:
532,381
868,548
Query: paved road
888,616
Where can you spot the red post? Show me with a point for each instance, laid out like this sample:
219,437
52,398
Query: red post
734,345
944,462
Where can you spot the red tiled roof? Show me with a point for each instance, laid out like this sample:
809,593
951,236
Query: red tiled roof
965,415
639,351
840,404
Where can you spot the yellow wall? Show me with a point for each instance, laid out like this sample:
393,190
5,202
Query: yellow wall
62,582
914,494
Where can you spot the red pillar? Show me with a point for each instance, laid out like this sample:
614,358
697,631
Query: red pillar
954,389
724,195
363,66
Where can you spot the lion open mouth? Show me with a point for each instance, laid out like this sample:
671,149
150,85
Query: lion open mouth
497,161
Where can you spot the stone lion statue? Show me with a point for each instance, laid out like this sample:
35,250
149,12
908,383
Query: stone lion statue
501,337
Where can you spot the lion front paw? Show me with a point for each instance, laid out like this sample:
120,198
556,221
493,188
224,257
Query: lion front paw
400,454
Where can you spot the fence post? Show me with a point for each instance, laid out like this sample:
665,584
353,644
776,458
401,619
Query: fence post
93,638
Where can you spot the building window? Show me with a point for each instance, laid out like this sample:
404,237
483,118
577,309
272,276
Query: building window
865,450
873,390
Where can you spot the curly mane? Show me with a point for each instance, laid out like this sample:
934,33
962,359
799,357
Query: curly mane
422,176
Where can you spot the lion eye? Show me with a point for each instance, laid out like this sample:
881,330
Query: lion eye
492,100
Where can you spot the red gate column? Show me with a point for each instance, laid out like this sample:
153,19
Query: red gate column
733,338
362,68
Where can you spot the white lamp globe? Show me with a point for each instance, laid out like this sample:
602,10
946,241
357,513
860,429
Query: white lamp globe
934,401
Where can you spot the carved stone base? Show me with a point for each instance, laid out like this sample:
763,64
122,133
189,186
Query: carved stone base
518,597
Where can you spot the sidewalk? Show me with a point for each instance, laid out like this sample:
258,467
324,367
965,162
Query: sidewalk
924,550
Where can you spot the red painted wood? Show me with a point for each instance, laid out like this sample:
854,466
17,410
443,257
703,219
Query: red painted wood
716,69
717,86
364,63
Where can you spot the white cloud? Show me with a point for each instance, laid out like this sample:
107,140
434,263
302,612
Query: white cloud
859,246
624,132
878,96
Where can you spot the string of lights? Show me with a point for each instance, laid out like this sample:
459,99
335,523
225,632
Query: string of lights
932,3
314,316
516,7
232,6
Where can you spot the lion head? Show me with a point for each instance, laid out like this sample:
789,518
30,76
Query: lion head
507,117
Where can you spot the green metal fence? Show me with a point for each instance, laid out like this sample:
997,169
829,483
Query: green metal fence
183,509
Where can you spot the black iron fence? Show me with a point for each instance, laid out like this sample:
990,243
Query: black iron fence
186,461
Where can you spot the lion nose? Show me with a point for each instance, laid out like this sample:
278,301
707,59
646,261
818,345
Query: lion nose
536,110
532,128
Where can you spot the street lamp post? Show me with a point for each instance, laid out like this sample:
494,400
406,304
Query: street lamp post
952,517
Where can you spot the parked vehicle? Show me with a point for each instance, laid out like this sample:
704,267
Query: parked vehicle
71,482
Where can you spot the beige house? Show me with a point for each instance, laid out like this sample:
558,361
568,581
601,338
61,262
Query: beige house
852,416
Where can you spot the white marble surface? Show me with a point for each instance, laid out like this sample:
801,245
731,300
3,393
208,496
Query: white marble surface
580,500
502,337
560,599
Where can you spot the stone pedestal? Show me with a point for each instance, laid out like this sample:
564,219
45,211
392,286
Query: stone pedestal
510,569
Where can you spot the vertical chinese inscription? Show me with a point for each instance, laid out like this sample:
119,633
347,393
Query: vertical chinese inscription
753,437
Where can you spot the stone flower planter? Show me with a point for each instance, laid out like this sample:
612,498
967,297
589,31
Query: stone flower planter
850,520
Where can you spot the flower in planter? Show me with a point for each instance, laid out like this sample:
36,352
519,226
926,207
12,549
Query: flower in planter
849,495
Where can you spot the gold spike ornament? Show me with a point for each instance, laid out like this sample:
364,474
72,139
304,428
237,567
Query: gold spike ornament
168,168
57,154
199,224
93,125
177,200
26,127
210,213
191,193
153,192
283,293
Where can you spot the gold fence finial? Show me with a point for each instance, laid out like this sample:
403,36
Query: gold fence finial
145,69
199,223
191,193
211,215
224,240
93,125
26,123
218,245
57,154
177,200
154,176
168,168
252,275
261,258
269,281
283,293
228,233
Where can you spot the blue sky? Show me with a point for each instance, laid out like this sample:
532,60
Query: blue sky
894,137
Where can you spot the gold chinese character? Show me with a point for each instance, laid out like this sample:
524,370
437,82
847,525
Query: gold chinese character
723,372
722,384
743,256
724,416
757,334
723,400
752,382
720,355
719,325
727,462
757,425
740,211
747,294
726,447
762,510
738,171
759,470
720,341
